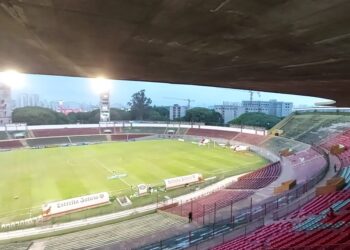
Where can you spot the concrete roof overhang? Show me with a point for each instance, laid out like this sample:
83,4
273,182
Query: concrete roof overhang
287,46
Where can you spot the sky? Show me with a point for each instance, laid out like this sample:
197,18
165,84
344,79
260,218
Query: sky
79,90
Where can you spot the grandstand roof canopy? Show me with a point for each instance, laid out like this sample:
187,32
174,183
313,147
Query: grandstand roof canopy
290,46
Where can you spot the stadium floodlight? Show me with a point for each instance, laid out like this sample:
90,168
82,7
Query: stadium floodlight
12,78
101,85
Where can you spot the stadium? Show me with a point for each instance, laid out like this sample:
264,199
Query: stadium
283,171
135,184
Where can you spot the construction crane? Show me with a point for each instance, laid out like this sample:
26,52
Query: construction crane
182,99
251,92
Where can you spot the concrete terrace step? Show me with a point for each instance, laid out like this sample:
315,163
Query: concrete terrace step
118,232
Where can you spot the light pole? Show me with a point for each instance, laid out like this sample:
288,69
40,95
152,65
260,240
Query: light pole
102,87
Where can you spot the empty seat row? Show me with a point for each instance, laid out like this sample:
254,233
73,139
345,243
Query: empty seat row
250,138
125,137
65,132
212,133
209,203
259,178
314,231
10,144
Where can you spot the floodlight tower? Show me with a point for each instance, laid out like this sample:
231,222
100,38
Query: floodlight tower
5,104
103,86
9,80
104,107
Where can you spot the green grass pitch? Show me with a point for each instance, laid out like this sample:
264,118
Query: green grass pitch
31,177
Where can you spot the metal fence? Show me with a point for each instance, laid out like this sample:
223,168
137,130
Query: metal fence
279,206
296,205
227,236
217,233
283,203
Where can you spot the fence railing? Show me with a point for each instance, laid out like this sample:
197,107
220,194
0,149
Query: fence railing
198,239
284,200
279,206
296,205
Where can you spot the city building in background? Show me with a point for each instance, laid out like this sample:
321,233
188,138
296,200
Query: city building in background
176,111
28,100
5,104
229,110
272,107
66,108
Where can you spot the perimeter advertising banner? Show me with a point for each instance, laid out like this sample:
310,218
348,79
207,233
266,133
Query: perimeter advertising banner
182,180
75,204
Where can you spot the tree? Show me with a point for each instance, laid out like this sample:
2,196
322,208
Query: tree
208,116
139,105
38,116
256,119
157,114
94,116
163,111
84,117
119,115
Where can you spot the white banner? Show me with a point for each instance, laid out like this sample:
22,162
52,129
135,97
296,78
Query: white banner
240,148
182,180
78,203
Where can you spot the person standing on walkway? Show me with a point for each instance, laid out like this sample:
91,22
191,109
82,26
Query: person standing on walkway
190,217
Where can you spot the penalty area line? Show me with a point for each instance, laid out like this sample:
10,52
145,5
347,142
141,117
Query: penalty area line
110,171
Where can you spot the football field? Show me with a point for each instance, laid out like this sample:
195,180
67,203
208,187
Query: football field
31,177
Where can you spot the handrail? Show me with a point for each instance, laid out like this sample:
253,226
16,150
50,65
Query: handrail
253,213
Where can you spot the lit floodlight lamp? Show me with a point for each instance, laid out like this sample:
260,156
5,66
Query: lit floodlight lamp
101,85
12,78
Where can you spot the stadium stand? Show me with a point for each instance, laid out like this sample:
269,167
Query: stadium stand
306,163
250,138
3,135
181,131
65,132
183,241
10,144
131,230
113,130
313,127
321,203
278,144
87,138
312,226
212,133
303,157
16,246
345,173
125,137
339,145
144,130
13,134
209,203
40,142
259,178
341,139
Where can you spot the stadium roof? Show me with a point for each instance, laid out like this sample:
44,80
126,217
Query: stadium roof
289,46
